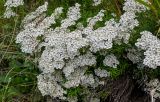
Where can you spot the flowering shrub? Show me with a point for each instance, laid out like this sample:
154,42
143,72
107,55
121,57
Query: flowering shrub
69,58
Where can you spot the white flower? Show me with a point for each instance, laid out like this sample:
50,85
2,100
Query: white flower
13,3
153,88
28,37
9,13
96,2
73,15
101,73
126,24
78,77
99,17
48,21
102,37
134,55
111,61
59,47
147,40
9,4
151,44
81,61
31,16
94,100
74,79
133,5
128,20
87,80
72,99
48,86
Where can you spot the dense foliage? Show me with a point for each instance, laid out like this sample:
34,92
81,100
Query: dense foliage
70,47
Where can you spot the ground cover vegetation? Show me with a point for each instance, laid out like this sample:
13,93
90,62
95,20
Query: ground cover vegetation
80,53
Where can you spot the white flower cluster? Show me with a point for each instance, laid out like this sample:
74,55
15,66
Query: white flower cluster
126,24
153,88
128,20
31,16
61,44
96,2
99,17
78,77
134,55
111,61
80,61
151,44
28,36
73,15
48,85
132,6
14,3
60,47
95,100
9,4
101,73
101,38
9,13
72,99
